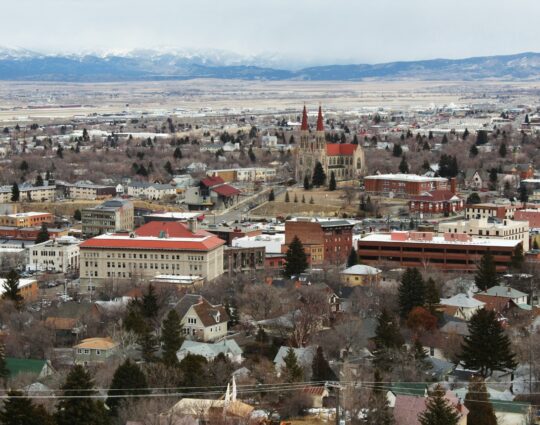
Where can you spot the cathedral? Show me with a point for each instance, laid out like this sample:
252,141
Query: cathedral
346,160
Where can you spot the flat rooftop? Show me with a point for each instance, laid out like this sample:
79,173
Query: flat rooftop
406,177
439,240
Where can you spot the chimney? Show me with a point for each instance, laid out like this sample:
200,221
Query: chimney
453,185
192,225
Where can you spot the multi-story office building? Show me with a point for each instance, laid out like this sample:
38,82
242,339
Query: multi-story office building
111,216
26,219
403,185
58,255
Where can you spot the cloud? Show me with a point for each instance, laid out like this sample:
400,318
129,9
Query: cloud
310,31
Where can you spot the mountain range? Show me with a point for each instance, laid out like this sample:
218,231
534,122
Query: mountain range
147,65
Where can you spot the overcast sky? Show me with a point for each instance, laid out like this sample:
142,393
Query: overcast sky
316,31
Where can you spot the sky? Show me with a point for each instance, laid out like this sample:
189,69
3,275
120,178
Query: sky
295,31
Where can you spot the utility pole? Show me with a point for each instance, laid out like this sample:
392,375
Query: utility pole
337,387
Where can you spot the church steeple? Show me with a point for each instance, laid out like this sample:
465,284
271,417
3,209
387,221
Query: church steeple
320,121
304,126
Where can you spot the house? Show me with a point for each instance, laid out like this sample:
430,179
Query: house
94,350
441,201
476,179
360,275
39,368
201,320
28,289
304,356
461,306
316,395
153,191
211,193
518,297
66,329
228,347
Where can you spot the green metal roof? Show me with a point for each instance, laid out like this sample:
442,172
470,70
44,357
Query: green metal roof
510,406
402,388
17,366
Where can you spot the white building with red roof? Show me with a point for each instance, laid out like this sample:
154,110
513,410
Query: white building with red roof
345,160
211,193
156,248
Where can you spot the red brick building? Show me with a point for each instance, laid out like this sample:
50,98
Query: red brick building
530,215
403,185
325,241
456,252
436,202
487,210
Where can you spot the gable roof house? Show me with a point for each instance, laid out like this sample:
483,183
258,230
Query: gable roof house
304,356
211,193
461,306
201,320
228,347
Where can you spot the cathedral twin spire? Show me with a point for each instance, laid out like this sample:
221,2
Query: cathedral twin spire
320,121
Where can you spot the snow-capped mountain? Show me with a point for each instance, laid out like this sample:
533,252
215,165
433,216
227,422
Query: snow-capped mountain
170,63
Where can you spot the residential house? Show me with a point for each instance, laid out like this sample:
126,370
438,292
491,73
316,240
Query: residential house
304,356
39,368
94,350
316,395
153,191
360,274
201,320
518,297
211,193
461,306
228,347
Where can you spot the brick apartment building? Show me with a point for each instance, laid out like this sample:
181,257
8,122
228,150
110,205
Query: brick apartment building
436,202
26,219
487,210
326,241
531,215
403,185
455,252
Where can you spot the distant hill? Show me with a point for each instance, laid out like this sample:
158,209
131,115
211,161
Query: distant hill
23,65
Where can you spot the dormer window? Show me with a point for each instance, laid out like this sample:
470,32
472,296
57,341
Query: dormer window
218,317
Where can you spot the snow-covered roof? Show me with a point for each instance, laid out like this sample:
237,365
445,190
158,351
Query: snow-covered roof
462,300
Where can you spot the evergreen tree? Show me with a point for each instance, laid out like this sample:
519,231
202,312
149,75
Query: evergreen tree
128,379
19,410
420,356
387,340
11,288
319,177
15,193
432,295
473,151
171,337
43,234
150,303
411,291
523,194
403,166
60,152
332,185
311,201
306,183
295,198
296,258
292,371
303,199
84,410
535,244
4,371
271,196
168,167
353,258
77,215
503,150
487,348
320,368
287,199
194,371
473,198
251,155
517,258
526,118
477,401
486,274
481,137
430,135
149,344
466,134
134,320
444,139
378,411
439,411
397,150
177,153
24,166
39,181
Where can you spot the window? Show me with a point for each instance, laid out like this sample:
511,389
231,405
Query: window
98,352
86,351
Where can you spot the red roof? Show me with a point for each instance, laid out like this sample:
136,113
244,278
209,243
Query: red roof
334,149
495,303
438,195
320,121
304,125
171,229
212,181
226,190
161,244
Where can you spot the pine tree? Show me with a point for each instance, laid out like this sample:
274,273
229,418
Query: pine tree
420,356
444,139
320,368
526,118
432,296
19,410
128,379
150,303
486,273
319,177
4,371
15,193
39,181
296,258
292,372
523,194
481,137
149,344
503,150
473,151
404,166
473,198
287,199
439,411
303,199
387,340
295,198
397,150
84,410
311,201
477,401
332,185
271,196
306,183
171,337
487,348
411,291
43,234
77,215
466,134
378,411
177,153
517,258
353,258
168,167
11,288
60,152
